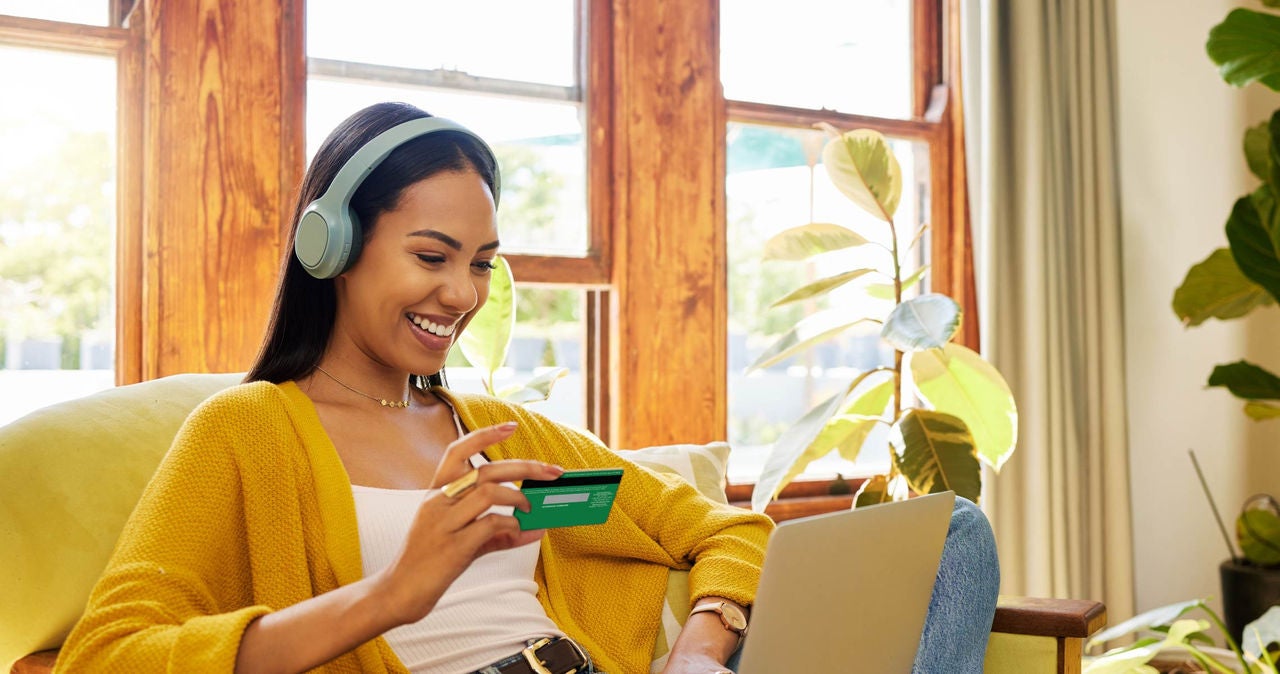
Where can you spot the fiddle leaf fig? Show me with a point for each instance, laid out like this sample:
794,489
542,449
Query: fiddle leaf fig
862,166
1246,47
1261,633
790,447
1215,288
805,241
1261,411
1252,246
536,389
956,380
924,322
1246,380
1257,150
880,489
884,291
935,452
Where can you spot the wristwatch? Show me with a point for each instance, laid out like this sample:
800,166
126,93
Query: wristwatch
731,616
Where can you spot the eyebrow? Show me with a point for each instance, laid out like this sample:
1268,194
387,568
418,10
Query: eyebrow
449,240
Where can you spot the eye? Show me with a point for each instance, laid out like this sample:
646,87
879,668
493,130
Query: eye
484,266
431,259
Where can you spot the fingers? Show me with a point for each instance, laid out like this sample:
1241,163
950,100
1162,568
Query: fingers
457,458
492,533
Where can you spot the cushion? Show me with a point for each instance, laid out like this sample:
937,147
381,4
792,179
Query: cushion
702,466
70,474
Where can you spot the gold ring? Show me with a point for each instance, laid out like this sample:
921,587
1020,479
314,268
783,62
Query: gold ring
460,486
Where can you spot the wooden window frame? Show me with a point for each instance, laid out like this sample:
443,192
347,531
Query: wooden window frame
123,42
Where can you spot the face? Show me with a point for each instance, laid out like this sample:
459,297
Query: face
422,274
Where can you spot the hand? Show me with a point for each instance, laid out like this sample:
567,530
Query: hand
694,664
448,533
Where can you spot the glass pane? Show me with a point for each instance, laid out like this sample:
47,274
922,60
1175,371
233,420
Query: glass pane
773,184
852,57
91,12
549,333
57,228
539,145
507,39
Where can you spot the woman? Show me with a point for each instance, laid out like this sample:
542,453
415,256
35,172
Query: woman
344,507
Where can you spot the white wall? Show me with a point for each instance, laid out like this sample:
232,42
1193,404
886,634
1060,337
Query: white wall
1181,169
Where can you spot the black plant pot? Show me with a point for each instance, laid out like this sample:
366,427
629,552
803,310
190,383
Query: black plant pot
1247,592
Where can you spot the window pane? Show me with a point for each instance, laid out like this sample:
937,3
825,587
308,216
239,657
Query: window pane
773,184
92,12
539,146
507,39
57,228
549,332
852,57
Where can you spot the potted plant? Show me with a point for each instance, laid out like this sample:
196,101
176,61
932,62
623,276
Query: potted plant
944,407
1167,641
1237,279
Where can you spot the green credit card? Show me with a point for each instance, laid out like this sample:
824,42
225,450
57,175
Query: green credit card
575,498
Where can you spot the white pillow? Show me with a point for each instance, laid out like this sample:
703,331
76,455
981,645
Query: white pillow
702,466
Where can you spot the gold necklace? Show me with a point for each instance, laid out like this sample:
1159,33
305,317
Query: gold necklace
398,404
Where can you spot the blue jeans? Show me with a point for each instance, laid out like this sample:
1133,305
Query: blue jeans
964,598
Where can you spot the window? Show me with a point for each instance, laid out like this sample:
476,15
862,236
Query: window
863,65
518,82
59,198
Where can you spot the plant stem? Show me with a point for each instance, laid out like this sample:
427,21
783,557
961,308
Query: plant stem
897,301
1226,635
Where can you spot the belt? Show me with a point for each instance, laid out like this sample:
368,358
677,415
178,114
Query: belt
560,655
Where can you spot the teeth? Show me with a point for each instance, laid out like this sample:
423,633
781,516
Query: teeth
431,327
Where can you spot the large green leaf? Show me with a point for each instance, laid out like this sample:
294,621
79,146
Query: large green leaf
935,452
1215,288
1246,47
1133,659
1261,633
488,335
814,435
805,241
1257,150
793,443
1246,380
1253,247
810,331
925,322
821,287
956,380
870,405
862,166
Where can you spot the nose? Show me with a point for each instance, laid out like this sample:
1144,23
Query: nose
459,293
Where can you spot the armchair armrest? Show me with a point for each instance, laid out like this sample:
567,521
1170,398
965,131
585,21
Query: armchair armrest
1032,634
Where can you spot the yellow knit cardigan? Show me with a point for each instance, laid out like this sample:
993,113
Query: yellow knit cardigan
251,511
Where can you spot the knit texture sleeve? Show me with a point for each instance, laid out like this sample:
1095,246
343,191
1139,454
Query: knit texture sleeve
176,595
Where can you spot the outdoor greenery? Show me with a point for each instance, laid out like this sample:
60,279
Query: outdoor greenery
966,413
56,244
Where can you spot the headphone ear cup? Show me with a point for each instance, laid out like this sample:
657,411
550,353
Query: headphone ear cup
323,241
355,239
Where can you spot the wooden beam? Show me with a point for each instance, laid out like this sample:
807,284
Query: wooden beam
781,115
223,134
24,32
669,301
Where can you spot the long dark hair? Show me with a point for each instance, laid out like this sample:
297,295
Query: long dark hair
305,307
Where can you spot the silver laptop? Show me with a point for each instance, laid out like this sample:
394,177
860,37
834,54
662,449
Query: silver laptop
847,591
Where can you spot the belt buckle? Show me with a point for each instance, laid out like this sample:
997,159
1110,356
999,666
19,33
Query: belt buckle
534,663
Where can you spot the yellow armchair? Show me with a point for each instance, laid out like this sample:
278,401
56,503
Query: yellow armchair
58,524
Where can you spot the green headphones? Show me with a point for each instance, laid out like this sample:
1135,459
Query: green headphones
329,236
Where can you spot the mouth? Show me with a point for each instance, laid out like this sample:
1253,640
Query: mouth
427,325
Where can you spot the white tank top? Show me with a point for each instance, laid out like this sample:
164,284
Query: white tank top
487,614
